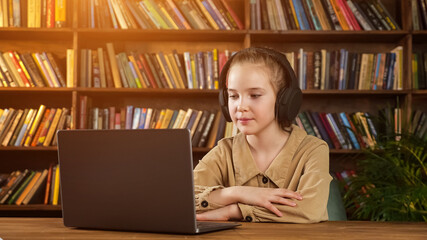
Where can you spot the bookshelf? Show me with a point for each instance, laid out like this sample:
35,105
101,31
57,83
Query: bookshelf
57,40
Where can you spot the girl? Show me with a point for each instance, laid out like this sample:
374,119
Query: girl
272,171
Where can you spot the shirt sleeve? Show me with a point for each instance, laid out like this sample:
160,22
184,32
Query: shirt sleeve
208,177
313,186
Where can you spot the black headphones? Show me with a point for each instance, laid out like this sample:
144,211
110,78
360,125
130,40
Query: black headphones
289,99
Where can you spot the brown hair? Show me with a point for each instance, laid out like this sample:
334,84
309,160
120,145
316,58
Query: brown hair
274,69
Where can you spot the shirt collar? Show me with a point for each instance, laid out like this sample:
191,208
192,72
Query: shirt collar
246,169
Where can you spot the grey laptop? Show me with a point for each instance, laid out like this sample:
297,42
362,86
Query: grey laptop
131,180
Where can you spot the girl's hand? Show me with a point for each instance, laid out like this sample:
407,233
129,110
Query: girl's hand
221,214
265,197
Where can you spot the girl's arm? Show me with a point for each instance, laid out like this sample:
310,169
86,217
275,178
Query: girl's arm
313,186
256,196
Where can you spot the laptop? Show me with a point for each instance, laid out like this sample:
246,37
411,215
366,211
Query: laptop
130,180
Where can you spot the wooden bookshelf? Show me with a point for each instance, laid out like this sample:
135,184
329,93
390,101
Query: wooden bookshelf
73,37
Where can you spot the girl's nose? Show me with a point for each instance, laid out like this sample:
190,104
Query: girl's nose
242,108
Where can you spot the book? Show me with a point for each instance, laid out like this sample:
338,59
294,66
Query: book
15,72
180,66
165,69
46,126
179,119
36,187
52,129
178,14
35,125
60,13
206,130
28,188
7,135
14,186
204,7
48,185
20,188
198,126
7,123
55,198
58,73
18,127
114,65
11,179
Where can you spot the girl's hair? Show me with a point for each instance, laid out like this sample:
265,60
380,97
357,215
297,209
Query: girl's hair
274,69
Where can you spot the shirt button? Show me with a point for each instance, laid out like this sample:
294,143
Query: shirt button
248,218
264,180
205,204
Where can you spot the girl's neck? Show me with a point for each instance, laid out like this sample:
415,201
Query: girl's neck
266,145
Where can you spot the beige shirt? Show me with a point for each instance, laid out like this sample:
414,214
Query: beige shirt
302,165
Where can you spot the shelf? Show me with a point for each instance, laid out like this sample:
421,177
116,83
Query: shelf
162,35
32,210
11,148
327,36
30,207
148,92
34,90
420,92
49,34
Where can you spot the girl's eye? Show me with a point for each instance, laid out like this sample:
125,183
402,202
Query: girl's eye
233,96
255,95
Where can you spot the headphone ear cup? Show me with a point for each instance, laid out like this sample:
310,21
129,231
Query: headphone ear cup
288,103
294,104
223,102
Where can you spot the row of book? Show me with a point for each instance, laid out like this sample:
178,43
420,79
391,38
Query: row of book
419,14
342,69
338,69
23,187
321,15
153,14
102,68
33,13
207,126
419,70
32,127
340,130
30,70
419,124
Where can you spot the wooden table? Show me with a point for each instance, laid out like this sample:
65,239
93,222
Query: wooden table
53,228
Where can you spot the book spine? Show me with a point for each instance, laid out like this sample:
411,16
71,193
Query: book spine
178,14
56,69
360,16
334,19
210,16
60,13
233,14
24,69
49,70
14,65
42,68
114,66
35,125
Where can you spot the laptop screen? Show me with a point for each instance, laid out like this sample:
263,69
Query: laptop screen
138,180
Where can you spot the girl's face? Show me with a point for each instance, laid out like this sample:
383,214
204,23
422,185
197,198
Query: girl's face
251,98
